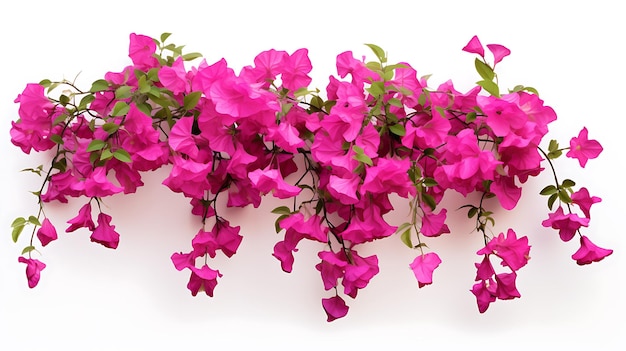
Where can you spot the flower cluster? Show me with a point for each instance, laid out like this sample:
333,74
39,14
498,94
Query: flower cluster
337,159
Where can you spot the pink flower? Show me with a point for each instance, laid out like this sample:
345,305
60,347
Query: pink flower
358,274
513,251
499,52
434,224
105,233
567,224
296,68
344,189
46,232
484,292
331,267
140,51
182,261
474,47
583,149
271,180
33,270
335,308
83,220
423,267
505,289
584,201
203,279
589,252
175,78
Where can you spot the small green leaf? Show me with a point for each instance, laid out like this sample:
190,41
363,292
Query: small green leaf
555,154
45,83
122,155
397,129
553,146
120,109
64,100
123,92
99,85
34,220
28,249
472,212
564,196
484,70
395,102
379,52
144,86
96,145
406,238
86,100
429,200
470,117
277,223
490,87
164,36
568,183
548,190
551,200
376,89
15,234
106,154
191,56
110,127
57,139
191,100
282,210
19,221
429,182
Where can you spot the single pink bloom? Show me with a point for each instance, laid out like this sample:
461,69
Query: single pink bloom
227,237
83,220
203,279
567,224
105,233
204,243
270,180
175,78
286,136
484,270
582,148
514,252
181,138
284,253
344,189
434,224
506,289
140,51
33,270
358,274
474,47
506,191
46,232
296,68
499,52
331,267
335,307
589,252
584,201
423,267
483,290
98,185
182,261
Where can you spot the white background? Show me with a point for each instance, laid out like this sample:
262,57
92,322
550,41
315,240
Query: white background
132,298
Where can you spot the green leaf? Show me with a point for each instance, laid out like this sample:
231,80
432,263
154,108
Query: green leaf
395,102
56,139
145,108
548,190
106,154
484,70
144,86
86,100
568,183
45,83
397,129
123,92
191,100
379,52
15,234
472,211
34,220
64,100
376,89
406,238
555,154
19,221
360,155
277,223
191,56
164,36
564,196
282,210
490,87
429,200
553,146
28,249
122,155
96,145
99,85
120,109
470,117
551,200
110,127
429,182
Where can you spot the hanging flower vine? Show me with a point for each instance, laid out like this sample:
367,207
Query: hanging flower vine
379,130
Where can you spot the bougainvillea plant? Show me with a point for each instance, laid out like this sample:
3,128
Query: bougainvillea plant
335,158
